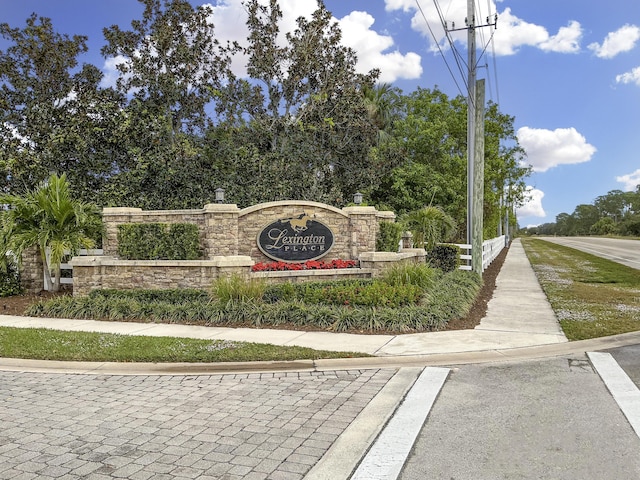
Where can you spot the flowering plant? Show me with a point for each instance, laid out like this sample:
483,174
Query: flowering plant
308,265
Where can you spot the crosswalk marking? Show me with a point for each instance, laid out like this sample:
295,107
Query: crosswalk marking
387,456
621,387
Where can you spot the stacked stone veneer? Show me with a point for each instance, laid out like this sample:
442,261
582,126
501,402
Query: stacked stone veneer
228,236
32,271
226,230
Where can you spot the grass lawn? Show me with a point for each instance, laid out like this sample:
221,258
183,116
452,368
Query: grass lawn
45,344
591,296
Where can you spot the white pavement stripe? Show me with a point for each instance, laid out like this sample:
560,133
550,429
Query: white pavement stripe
622,388
388,454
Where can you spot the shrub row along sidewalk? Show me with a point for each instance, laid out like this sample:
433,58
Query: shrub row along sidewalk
447,297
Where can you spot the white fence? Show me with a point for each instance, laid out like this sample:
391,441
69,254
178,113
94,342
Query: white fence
490,250
66,270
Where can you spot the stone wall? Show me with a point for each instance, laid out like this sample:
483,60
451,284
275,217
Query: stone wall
91,273
227,230
229,240
378,262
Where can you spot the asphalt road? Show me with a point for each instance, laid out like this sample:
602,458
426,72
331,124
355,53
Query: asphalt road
622,251
540,419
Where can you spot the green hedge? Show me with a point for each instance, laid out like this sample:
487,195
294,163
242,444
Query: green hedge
159,241
444,257
389,236
372,293
9,278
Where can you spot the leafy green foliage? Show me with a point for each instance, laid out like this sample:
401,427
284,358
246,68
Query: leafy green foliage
158,241
374,294
430,226
417,274
51,220
9,278
615,213
450,297
54,117
236,288
389,237
305,121
444,257
174,295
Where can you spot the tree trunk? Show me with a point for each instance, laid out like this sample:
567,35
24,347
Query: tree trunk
48,285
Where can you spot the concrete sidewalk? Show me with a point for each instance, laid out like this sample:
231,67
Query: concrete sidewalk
518,315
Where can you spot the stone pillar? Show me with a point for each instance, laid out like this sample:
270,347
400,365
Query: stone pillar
220,229
363,228
32,271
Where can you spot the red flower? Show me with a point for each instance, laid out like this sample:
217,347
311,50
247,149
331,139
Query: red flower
308,265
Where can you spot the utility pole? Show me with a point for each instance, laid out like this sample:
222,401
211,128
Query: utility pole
478,181
475,134
471,114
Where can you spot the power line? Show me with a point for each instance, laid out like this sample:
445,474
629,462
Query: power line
493,55
439,49
456,54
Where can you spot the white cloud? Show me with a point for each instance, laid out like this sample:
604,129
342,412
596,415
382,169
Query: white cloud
630,77
370,47
630,181
549,148
533,206
110,71
567,40
622,40
511,34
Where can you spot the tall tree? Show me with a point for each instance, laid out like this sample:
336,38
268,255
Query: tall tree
53,115
173,70
304,108
431,133
615,204
172,64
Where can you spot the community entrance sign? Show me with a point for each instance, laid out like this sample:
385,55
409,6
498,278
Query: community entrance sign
295,239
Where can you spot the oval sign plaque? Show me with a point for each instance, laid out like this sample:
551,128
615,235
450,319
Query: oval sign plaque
295,239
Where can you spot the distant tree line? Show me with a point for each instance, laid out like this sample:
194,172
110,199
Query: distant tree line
616,213
179,123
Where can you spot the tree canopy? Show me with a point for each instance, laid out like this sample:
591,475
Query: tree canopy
615,213
180,122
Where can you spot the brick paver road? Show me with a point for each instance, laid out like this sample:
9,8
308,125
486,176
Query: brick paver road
244,426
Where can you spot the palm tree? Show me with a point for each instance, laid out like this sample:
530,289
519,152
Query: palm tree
380,103
49,219
430,226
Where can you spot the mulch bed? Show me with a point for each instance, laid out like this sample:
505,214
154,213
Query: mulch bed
17,304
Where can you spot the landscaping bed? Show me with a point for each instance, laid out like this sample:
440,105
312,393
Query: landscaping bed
382,319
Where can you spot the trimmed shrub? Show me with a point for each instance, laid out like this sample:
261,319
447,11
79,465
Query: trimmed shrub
418,274
389,236
9,279
159,241
236,288
444,257
172,295
451,297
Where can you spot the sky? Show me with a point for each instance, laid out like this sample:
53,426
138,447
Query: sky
568,71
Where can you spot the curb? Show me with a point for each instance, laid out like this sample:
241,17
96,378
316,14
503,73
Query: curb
440,359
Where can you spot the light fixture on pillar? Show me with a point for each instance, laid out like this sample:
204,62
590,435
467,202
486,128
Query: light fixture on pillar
220,195
357,198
